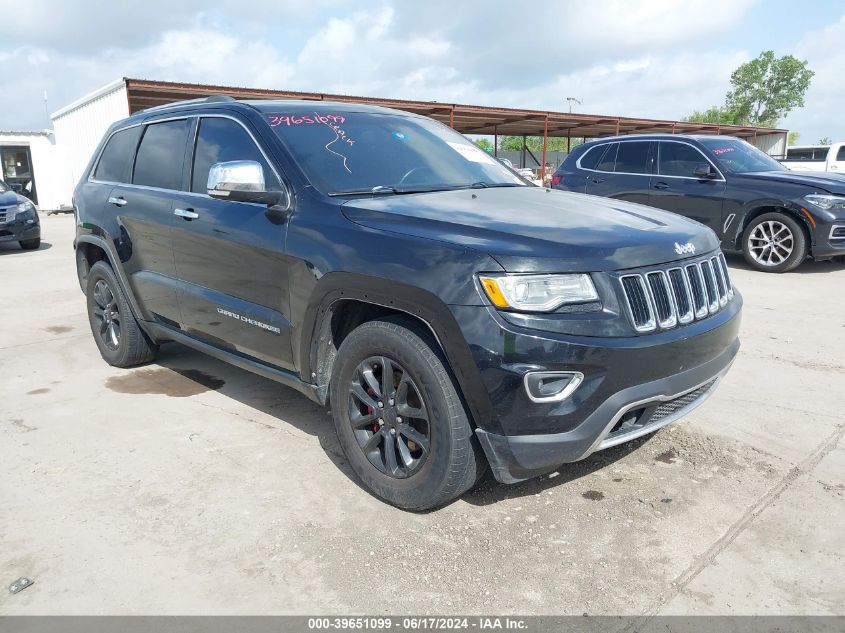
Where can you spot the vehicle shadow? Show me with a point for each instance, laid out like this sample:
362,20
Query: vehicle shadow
809,267
13,248
288,407
488,491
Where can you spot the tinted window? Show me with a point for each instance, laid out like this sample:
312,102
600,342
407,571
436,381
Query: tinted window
840,155
590,160
800,153
219,141
632,158
678,159
609,158
161,155
820,153
116,158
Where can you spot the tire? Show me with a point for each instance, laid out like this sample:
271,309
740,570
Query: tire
434,450
785,253
117,334
82,269
30,245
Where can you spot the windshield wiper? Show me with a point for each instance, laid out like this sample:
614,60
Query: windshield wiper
378,190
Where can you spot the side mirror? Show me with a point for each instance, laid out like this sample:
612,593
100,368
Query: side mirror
242,181
704,171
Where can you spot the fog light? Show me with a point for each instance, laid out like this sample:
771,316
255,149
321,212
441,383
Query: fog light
552,386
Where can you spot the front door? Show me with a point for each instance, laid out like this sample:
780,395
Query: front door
674,187
230,256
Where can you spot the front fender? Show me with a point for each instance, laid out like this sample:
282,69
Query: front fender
418,303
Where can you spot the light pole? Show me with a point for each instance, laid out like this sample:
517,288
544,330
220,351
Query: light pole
572,100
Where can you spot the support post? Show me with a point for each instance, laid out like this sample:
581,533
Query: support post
452,118
545,144
568,140
496,141
523,151
617,127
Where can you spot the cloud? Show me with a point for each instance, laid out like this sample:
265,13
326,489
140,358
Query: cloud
822,115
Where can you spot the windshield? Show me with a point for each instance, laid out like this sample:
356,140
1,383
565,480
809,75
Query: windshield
3,187
357,152
740,157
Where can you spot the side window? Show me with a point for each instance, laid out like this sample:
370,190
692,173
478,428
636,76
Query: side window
161,155
632,158
840,155
221,140
678,159
116,159
609,159
591,159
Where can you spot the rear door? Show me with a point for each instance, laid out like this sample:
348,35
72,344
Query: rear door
144,218
623,172
674,187
230,257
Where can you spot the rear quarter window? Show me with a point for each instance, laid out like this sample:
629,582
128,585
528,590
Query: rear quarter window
116,159
608,159
592,156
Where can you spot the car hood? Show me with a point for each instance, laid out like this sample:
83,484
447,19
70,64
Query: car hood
833,183
531,229
8,199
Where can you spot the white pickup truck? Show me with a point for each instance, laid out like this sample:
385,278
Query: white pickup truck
816,158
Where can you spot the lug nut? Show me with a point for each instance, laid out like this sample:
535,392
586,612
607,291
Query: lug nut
398,419
381,405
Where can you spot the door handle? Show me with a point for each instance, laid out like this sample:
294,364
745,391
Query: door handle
598,180
118,202
661,185
187,214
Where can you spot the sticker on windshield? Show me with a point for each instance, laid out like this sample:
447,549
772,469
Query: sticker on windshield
723,150
472,152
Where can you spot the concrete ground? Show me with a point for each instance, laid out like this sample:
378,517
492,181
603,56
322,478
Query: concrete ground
190,486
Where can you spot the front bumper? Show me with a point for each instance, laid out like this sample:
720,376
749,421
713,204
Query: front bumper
631,386
830,240
18,231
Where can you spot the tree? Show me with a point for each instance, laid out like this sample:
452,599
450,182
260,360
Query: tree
792,138
825,141
713,114
763,91
483,143
767,88
535,143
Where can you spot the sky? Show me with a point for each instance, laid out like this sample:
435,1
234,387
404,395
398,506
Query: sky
645,58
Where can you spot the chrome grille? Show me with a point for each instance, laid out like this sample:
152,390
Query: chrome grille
6,215
666,298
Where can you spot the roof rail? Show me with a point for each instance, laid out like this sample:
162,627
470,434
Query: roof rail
221,98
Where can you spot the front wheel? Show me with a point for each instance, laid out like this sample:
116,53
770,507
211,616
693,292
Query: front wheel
774,243
399,418
30,245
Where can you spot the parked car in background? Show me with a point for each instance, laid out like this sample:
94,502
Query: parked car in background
18,219
816,158
522,172
774,216
380,263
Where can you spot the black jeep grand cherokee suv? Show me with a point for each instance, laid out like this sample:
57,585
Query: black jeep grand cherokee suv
379,262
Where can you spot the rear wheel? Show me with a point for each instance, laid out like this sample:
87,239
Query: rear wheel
117,334
399,418
775,243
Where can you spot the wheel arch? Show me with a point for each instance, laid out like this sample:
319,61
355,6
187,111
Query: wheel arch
347,301
773,206
99,248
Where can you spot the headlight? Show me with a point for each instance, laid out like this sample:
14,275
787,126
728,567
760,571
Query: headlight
826,201
537,293
23,207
